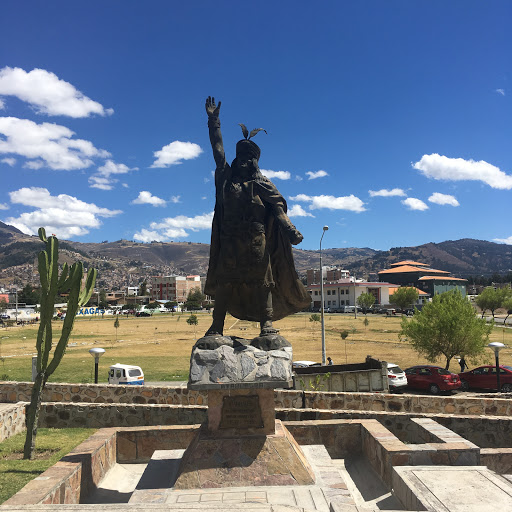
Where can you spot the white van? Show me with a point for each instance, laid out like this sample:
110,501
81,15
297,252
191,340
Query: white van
347,309
125,374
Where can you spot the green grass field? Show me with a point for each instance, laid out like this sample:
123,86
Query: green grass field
161,344
51,445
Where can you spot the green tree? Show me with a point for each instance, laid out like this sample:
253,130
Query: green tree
143,288
28,295
153,305
447,327
192,320
366,301
507,305
195,299
315,317
116,324
3,304
171,304
491,299
404,297
102,302
52,284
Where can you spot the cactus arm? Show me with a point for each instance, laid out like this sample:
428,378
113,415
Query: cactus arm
42,267
53,268
63,278
86,293
42,234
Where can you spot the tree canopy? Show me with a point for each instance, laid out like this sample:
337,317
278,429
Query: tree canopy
447,327
491,299
404,297
366,300
195,299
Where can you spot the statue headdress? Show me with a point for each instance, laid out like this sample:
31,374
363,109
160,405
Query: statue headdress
246,145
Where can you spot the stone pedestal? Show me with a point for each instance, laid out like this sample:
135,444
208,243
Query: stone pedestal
242,444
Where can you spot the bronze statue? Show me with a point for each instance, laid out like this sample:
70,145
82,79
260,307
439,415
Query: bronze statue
251,273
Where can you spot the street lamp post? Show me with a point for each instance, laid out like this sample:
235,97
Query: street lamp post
325,228
497,346
96,353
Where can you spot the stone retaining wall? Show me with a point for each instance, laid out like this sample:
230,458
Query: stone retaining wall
12,420
499,405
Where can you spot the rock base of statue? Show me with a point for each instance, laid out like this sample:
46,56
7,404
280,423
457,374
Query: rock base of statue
242,445
229,362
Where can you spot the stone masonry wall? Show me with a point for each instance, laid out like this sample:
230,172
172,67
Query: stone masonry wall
417,404
12,420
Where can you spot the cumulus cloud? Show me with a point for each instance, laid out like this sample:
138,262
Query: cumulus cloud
384,192
4,206
297,211
103,179
280,175
146,197
101,183
175,152
48,94
439,198
175,199
507,241
46,145
501,91
441,167
174,227
415,204
64,215
8,161
350,202
318,174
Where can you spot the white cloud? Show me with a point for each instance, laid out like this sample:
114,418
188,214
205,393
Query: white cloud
280,175
103,180
175,152
144,235
181,221
318,174
297,211
110,167
8,161
414,204
387,193
439,198
501,91
174,227
64,215
350,202
4,206
441,167
507,241
175,199
47,145
47,93
146,197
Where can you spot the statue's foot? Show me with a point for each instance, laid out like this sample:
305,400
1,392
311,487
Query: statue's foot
268,331
213,332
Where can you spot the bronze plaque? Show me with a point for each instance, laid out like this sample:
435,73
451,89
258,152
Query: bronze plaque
241,411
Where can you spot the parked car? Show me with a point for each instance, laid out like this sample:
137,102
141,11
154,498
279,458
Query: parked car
432,378
142,313
125,374
484,377
5,316
396,377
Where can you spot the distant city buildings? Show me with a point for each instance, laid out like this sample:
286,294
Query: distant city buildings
174,288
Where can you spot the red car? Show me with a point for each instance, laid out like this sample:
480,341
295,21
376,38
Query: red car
432,378
484,377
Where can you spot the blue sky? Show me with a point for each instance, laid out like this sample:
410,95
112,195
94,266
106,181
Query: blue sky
390,122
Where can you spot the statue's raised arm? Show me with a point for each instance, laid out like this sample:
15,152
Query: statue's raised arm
213,111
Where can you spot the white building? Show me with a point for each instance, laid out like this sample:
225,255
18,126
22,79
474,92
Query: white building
345,292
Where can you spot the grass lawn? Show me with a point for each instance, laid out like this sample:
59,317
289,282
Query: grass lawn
161,344
51,445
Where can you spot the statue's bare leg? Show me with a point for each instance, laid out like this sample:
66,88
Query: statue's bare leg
266,312
222,294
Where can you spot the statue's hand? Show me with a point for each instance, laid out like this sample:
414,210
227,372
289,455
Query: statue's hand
211,109
295,236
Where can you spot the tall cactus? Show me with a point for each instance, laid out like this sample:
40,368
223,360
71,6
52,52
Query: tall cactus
51,285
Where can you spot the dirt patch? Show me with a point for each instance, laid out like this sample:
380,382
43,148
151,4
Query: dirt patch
38,455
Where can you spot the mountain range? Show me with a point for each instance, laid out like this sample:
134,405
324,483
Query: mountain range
462,258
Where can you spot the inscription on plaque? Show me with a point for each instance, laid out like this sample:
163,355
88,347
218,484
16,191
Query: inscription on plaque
241,412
